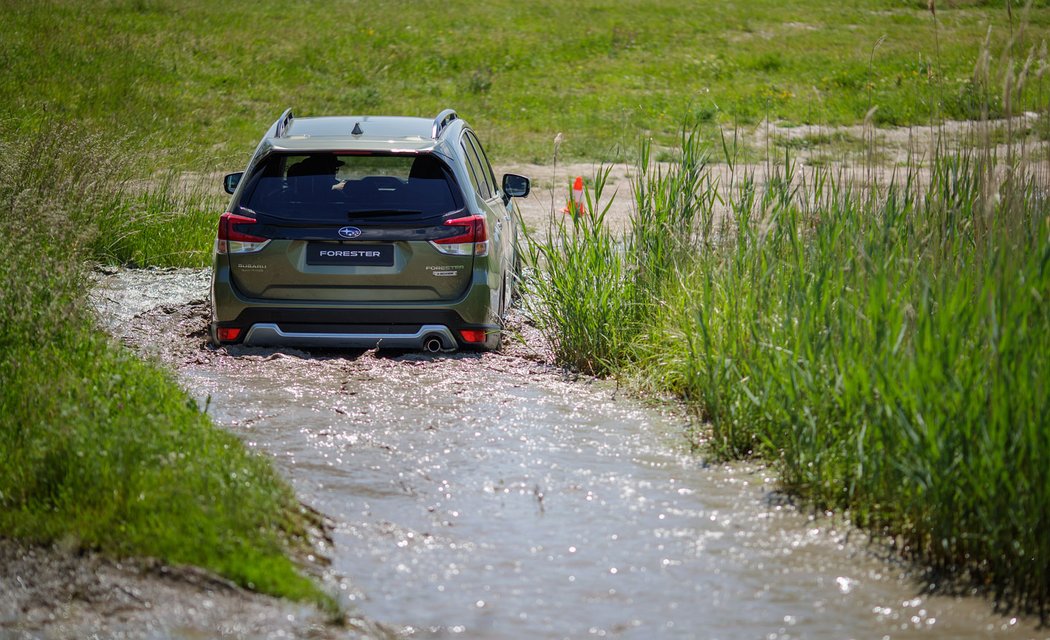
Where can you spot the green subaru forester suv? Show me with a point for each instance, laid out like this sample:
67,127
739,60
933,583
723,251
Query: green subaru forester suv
366,231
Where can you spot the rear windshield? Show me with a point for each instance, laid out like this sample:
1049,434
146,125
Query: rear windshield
336,187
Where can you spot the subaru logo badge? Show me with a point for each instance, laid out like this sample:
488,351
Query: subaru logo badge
349,232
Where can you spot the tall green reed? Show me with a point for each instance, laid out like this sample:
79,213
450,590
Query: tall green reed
164,221
887,346
586,296
592,288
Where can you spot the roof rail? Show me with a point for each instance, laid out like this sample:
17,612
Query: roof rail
283,123
442,120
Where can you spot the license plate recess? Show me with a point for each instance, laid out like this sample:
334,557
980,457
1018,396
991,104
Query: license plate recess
350,254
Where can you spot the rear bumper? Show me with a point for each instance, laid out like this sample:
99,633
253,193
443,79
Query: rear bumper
430,337
356,328
323,324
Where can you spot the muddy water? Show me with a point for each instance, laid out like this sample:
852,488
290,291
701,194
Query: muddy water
487,496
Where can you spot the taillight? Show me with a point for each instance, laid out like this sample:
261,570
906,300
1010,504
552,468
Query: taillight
230,240
472,240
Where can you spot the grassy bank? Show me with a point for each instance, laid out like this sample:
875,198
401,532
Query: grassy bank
886,346
201,82
100,449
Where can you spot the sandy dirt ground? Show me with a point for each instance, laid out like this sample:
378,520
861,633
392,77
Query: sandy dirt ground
856,152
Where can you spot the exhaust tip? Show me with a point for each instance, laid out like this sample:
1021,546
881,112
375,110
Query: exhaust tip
432,344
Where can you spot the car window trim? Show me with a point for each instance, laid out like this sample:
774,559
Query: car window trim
472,162
486,166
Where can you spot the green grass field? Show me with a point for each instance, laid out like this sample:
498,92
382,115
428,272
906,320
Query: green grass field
201,81
889,354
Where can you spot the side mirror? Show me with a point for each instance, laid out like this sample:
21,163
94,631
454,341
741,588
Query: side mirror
516,186
230,182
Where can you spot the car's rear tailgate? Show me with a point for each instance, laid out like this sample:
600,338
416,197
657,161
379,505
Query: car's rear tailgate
382,263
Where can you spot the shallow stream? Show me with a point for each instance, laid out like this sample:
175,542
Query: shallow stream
490,496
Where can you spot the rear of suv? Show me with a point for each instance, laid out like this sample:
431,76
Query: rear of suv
365,231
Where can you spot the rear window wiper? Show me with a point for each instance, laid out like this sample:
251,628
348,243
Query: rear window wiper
383,212
298,220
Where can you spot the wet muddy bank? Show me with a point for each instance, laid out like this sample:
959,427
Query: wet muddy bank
53,592
65,591
487,495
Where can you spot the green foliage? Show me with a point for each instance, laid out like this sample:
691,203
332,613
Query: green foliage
588,298
85,196
970,100
99,449
890,354
158,224
887,346
591,291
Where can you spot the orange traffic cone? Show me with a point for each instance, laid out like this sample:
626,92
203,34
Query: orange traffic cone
575,205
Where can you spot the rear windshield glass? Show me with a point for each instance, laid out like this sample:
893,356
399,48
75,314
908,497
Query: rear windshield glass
337,187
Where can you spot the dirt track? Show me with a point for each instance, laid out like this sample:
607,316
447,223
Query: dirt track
858,151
